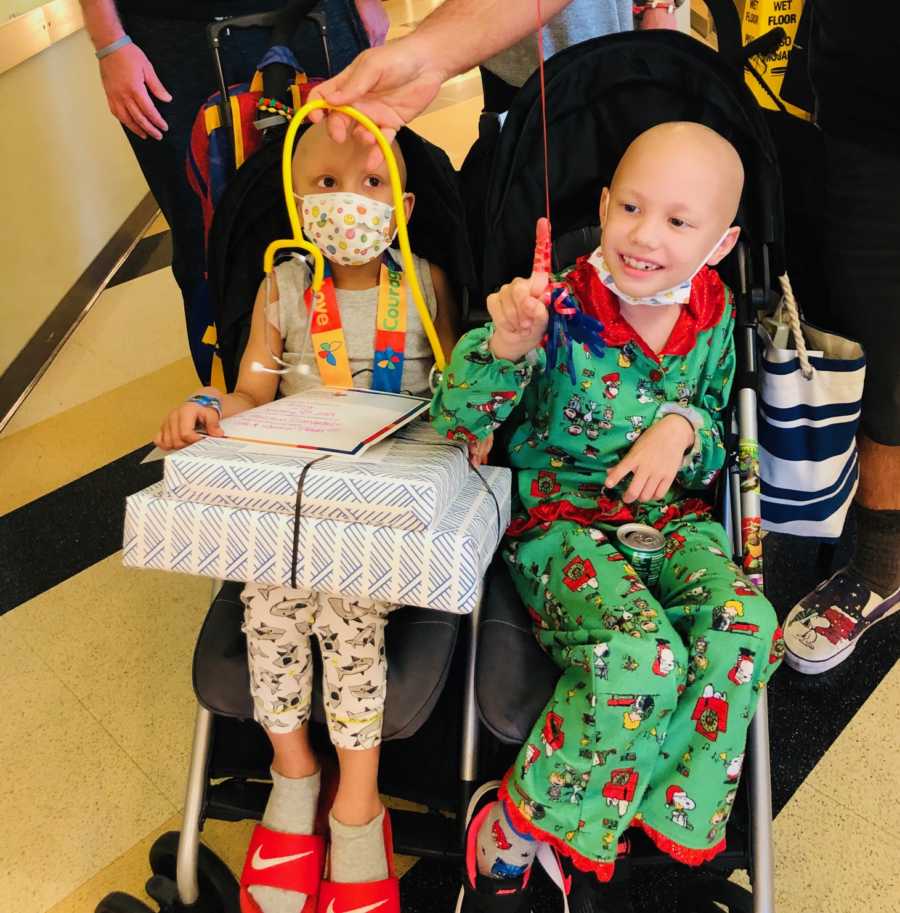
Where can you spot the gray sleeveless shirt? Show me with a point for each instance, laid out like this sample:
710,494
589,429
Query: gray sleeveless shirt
358,320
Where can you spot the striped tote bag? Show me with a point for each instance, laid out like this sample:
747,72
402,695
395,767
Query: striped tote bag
811,385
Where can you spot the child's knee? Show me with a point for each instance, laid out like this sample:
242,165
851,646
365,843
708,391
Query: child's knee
651,663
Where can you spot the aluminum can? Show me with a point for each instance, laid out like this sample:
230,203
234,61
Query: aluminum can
643,548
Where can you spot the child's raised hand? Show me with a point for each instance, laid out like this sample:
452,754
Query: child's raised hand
654,460
519,309
180,426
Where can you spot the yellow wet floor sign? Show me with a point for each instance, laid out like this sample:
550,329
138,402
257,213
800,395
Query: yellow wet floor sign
760,16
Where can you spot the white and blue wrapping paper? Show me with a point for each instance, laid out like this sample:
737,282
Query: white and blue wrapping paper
409,487
440,568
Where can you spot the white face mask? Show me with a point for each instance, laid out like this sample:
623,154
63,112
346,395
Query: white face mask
349,228
679,294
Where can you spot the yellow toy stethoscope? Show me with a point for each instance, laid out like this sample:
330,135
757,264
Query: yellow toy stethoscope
318,260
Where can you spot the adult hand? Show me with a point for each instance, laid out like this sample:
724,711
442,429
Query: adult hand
127,74
391,84
654,460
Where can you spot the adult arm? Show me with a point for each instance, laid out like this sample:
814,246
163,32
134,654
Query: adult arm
394,83
127,74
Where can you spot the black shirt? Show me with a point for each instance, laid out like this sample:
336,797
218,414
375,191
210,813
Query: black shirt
197,10
855,69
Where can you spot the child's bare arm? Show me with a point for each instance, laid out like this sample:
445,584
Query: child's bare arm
253,388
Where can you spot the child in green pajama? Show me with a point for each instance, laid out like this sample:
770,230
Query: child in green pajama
648,721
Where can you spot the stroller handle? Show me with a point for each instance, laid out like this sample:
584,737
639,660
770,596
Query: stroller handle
282,21
728,30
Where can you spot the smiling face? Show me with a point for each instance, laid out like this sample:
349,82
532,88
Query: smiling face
673,196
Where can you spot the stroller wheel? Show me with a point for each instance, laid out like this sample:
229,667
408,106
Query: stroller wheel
715,895
219,891
117,902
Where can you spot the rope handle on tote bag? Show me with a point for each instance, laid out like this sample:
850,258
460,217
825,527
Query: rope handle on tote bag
789,312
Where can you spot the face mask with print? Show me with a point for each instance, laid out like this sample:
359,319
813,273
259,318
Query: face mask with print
348,228
678,294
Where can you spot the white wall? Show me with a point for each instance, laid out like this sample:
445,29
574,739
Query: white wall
68,180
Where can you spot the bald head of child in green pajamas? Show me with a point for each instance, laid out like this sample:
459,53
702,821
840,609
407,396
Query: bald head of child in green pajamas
670,207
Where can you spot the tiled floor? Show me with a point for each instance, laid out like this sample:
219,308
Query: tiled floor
95,672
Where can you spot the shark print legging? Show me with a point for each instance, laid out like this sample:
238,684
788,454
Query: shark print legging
279,622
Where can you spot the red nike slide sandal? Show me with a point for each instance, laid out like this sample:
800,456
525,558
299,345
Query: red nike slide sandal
292,862
365,897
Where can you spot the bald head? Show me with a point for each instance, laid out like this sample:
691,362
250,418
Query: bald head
670,207
316,153
692,157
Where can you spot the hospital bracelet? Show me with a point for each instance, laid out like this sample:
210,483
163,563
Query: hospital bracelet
209,402
112,48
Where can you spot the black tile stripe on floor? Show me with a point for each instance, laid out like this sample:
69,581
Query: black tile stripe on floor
60,534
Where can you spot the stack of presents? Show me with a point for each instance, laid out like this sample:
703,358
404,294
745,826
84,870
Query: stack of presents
406,522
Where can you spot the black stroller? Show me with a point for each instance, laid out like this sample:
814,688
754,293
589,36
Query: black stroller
600,95
229,768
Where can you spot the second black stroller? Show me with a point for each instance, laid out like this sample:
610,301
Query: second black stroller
600,96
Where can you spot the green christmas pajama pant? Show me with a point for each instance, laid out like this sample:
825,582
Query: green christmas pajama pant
649,718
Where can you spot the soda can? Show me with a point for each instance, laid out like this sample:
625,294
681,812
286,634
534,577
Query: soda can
643,548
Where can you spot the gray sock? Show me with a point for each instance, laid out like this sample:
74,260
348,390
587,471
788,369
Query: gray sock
358,853
291,810
501,850
877,555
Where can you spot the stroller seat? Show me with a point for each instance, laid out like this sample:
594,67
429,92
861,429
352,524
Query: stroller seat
514,677
416,676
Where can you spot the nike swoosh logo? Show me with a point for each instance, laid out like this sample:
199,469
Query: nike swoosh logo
258,863
368,909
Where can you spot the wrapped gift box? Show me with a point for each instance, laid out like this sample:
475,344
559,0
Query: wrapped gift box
406,482
441,567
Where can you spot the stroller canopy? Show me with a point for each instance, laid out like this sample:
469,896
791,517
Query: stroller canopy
601,94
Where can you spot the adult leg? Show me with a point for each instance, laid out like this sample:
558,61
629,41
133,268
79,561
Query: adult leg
180,55
862,244
862,262
732,635
277,622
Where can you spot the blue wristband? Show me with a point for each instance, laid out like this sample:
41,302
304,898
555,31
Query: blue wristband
209,402
112,48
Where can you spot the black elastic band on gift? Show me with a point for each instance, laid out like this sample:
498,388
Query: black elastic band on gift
464,450
490,491
297,505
